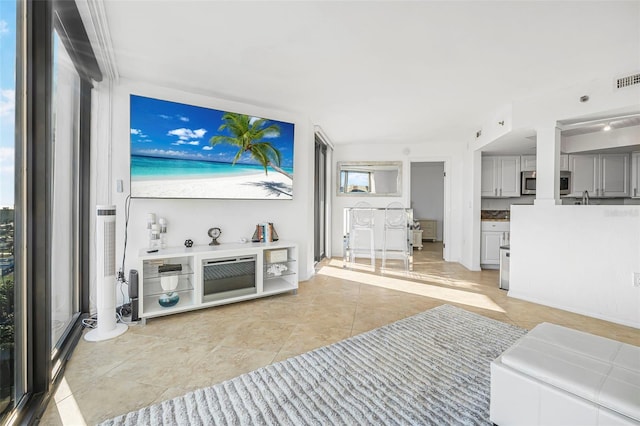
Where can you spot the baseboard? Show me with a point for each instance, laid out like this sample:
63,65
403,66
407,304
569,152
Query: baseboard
541,301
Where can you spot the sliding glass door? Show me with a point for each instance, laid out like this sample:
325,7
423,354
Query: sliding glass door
64,190
11,369
47,68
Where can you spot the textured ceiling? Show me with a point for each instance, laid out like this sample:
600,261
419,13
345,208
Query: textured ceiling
383,71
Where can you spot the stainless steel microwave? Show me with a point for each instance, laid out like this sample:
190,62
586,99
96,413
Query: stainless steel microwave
528,184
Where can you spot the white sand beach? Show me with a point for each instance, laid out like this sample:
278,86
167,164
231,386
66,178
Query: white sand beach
254,186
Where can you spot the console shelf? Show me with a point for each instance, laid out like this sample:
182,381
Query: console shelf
153,308
278,285
241,271
153,286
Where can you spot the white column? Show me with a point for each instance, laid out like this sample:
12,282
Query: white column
548,166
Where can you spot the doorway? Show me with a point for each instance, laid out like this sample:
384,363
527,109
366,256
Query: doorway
428,201
321,205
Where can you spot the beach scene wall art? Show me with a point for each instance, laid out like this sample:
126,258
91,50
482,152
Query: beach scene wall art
187,151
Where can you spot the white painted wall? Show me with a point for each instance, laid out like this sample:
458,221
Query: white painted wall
614,138
452,154
578,258
427,192
293,219
471,206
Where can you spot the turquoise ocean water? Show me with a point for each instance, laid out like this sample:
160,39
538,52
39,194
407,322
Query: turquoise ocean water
155,167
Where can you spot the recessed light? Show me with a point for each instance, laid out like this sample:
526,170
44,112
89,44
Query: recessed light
607,127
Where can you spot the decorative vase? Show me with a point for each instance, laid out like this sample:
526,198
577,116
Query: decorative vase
170,297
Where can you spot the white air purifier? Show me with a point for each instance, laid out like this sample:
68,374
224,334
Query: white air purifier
107,327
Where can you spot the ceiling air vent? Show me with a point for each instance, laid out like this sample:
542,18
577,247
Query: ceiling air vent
627,81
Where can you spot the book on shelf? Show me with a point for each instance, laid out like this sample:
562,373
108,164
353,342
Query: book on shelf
265,232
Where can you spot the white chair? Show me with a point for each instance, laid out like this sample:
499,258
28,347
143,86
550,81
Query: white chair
361,222
396,222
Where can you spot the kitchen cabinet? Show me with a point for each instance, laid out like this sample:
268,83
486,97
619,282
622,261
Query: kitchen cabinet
635,174
500,176
528,163
493,235
602,175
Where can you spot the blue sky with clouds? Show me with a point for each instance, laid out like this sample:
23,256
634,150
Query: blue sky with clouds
173,130
7,99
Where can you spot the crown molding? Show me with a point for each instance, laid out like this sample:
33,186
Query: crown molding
323,136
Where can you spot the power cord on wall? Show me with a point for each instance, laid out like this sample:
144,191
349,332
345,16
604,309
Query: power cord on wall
127,206
124,310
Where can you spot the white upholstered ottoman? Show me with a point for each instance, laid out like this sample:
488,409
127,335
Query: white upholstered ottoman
558,376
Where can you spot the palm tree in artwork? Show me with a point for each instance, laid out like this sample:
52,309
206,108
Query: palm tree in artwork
247,133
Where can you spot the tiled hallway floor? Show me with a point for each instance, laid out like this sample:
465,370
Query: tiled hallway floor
172,355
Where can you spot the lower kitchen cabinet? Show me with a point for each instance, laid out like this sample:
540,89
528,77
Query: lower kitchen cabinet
494,234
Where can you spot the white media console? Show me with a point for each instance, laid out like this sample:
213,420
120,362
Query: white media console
214,275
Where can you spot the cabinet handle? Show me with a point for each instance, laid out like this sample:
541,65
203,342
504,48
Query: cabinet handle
501,192
495,191
635,192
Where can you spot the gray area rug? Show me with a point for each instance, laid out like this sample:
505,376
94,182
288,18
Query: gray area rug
430,368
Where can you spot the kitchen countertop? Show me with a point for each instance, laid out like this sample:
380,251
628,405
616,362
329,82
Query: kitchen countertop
497,215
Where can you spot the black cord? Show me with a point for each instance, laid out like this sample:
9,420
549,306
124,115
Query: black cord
127,205
125,308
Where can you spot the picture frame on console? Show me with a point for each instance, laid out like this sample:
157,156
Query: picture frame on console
187,151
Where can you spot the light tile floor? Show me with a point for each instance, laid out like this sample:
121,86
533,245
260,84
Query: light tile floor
172,355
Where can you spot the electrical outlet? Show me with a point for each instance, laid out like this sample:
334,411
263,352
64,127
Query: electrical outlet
636,279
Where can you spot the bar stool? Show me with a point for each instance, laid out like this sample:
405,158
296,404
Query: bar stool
395,222
362,222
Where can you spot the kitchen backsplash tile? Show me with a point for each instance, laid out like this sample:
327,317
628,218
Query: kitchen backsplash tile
494,214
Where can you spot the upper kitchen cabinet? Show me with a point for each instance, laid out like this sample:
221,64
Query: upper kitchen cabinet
635,175
564,162
528,163
500,176
584,174
602,175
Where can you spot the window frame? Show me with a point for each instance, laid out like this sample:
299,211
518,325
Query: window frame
38,368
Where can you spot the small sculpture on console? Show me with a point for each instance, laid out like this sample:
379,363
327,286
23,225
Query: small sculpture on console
276,269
